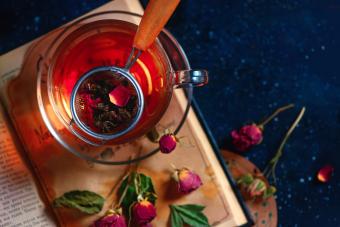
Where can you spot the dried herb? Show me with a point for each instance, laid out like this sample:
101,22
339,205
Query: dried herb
85,201
107,103
190,214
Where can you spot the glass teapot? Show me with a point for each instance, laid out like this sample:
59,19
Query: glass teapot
108,110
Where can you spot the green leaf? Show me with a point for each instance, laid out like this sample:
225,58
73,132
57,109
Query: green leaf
269,192
246,179
146,185
176,220
145,188
85,201
193,207
190,214
260,185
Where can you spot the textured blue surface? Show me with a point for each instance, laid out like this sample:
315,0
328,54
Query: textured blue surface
261,55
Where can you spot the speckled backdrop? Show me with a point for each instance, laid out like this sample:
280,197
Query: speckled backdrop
261,55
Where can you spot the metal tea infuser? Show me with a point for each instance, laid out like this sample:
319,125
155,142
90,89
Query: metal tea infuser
155,17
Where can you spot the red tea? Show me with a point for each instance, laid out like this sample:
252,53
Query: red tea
112,48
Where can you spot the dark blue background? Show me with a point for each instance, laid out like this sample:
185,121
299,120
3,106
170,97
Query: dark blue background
261,55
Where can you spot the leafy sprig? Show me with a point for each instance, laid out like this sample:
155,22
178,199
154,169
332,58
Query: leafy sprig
85,201
190,214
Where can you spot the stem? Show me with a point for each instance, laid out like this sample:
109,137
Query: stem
130,216
136,183
173,166
120,179
123,194
279,110
127,173
270,169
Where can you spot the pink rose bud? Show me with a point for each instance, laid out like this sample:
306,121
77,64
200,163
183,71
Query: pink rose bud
167,143
111,219
246,137
144,212
187,180
256,188
325,173
120,96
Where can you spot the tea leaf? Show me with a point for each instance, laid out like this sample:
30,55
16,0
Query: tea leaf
190,214
85,201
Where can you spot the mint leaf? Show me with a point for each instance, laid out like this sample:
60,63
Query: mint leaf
190,214
193,207
85,201
176,220
145,187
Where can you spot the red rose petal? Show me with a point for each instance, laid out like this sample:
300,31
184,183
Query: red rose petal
325,173
120,96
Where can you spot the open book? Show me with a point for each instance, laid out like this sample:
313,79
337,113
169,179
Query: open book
35,168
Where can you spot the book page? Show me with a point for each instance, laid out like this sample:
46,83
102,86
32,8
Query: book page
20,204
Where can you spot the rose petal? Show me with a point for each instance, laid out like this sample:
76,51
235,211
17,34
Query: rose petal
325,173
120,96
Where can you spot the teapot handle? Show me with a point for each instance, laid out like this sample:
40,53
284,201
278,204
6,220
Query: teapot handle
190,77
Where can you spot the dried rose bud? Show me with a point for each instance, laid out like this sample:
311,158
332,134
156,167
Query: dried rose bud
325,173
112,218
120,96
256,188
146,225
144,212
187,180
167,143
246,137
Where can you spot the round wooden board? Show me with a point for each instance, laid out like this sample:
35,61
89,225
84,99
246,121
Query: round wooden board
264,213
